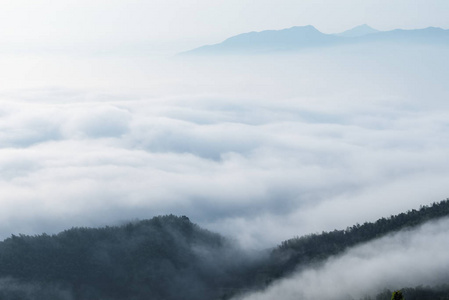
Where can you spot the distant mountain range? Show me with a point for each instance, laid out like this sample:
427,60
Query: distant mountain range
302,37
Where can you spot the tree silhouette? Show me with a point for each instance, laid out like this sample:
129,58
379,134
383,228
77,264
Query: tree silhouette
397,295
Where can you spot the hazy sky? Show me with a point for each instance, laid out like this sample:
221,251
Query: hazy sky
179,25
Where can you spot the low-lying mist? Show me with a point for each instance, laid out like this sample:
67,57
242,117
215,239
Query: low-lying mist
260,148
406,259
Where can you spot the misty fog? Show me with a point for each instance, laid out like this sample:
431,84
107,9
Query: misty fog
405,259
258,148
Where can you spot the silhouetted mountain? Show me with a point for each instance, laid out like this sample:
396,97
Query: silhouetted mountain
422,36
358,31
298,38
271,41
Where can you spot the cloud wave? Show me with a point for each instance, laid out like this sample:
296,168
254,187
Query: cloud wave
261,149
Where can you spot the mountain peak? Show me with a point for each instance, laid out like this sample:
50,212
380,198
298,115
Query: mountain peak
307,28
357,31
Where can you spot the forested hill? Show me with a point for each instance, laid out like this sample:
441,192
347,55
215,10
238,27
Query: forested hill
168,257
315,247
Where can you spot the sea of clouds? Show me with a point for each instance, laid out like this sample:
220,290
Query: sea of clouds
260,149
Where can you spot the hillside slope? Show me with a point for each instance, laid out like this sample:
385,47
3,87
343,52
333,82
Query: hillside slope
166,257
169,257
315,247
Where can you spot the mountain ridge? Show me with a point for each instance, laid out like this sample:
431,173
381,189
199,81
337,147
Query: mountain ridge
297,38
169,257
273,40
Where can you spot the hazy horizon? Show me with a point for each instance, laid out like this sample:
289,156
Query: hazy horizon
168,27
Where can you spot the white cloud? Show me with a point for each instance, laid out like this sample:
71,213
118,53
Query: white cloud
261,149
405,259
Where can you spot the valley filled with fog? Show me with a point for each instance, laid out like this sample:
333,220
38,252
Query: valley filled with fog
260,148
224,150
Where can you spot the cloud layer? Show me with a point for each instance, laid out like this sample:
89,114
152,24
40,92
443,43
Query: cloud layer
261,149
